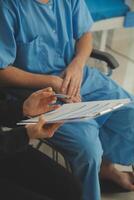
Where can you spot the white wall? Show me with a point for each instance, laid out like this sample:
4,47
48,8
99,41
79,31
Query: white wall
123,48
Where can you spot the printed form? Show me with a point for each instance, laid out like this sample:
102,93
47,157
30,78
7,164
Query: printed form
79,111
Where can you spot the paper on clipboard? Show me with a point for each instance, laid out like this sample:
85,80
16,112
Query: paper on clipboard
75,112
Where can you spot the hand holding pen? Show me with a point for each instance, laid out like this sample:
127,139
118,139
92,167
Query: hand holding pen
67,98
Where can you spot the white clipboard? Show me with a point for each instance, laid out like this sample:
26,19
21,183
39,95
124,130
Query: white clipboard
75,112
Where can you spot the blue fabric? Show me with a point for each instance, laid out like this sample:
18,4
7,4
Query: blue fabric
112,136
81,146
129,20
103,9
40,38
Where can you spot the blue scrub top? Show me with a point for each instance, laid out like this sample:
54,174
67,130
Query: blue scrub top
38,37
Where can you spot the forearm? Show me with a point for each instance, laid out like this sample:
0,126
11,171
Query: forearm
14,77
73,75
83,49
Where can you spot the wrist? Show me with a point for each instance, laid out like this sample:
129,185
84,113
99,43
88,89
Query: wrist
25,111
30,131
79,61
44,80
54,80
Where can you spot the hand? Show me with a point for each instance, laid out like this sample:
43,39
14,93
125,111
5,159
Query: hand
72,79
41,130
38,102
57,83
76,99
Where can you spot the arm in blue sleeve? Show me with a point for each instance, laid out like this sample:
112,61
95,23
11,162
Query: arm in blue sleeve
7,36
82,20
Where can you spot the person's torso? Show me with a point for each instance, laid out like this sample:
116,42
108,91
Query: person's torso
44,35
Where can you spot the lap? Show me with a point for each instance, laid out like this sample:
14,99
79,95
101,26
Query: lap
73,137
97,86
79,139
117,126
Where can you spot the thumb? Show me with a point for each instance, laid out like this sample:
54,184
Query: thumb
54,107
49,89
56,126
41,121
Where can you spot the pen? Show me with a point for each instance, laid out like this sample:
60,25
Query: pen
109,110
103,112
62,96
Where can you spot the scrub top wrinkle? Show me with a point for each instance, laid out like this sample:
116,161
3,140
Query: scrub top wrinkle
45,41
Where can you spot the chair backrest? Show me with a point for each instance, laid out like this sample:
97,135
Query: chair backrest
104,9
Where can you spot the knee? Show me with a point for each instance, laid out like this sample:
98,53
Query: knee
90,151
130,113
126,118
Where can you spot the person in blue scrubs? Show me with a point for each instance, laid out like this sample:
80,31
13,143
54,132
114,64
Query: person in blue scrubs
47,43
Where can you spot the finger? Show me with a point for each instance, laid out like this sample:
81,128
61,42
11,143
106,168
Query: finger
53,107
76,88
78,91
43,95
54,127
49,108
45,98
65,84
80,98
49,89
49,100
51,129
76,99
67,100
41,121
74,92
72,87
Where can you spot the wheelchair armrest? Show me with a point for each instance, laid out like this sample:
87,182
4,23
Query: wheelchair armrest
106,57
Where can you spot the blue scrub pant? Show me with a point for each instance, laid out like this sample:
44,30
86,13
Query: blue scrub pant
111,136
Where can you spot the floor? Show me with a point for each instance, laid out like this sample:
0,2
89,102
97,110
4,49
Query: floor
123,196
